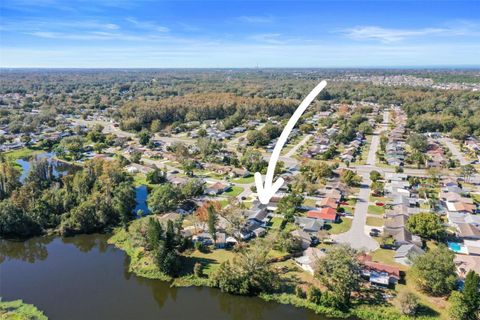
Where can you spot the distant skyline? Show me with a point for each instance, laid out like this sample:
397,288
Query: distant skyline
234,34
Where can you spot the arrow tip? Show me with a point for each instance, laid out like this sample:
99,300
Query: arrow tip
265,193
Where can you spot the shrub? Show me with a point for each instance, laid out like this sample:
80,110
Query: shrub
198,269
314,295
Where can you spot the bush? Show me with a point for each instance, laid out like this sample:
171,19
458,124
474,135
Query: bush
198,269
408,303
299,292
314,295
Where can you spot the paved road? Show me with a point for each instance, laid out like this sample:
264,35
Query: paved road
372,156
356,236
292,151
455,151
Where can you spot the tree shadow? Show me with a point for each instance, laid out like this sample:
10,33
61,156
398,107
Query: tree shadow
188,264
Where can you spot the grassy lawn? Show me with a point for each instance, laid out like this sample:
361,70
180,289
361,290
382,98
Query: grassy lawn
223,203
210,174
21,153
343,226
309,203
437,305
246,180
476,197
387,257
210,260
376,209
275,223
352,202
375,222
378,199
141,179
234,191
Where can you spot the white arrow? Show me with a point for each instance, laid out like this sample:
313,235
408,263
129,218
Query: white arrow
267,192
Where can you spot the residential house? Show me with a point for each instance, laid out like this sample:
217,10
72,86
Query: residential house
305,238
217,188
406,253
379,273
326,214
309,224
309,258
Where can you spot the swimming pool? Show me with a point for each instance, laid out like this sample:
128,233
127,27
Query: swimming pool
457,247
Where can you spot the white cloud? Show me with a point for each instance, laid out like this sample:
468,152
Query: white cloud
147,25
388,35
256,19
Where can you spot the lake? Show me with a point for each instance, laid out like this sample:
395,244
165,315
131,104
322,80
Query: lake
60,168
83,277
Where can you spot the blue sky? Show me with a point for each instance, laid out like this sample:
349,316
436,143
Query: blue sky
143,33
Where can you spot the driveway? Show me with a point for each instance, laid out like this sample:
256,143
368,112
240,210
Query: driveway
356,237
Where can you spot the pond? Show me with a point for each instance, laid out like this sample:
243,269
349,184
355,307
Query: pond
141,194
83,277
60,168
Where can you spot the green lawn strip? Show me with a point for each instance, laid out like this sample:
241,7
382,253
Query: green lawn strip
210,260
375,222
387,256
372,209
347,209
18,310
275,223
234,191
378,199
476,197
343,226
246,180
21,153
141,179
309,202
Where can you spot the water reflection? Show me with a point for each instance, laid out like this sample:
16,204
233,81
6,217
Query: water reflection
60,168
141,194
28,251
84,278
87,242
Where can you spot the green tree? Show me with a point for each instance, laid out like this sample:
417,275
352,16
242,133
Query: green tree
458,308
212,221
124,202
434,271
144,138
74,145
408,303
350,178
418,142
427,225
9,178
157,176
377,188
154,233
156,126
339,272
471,296
163,198
289,204
467,171
249,273
15,223
253,161
375,175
